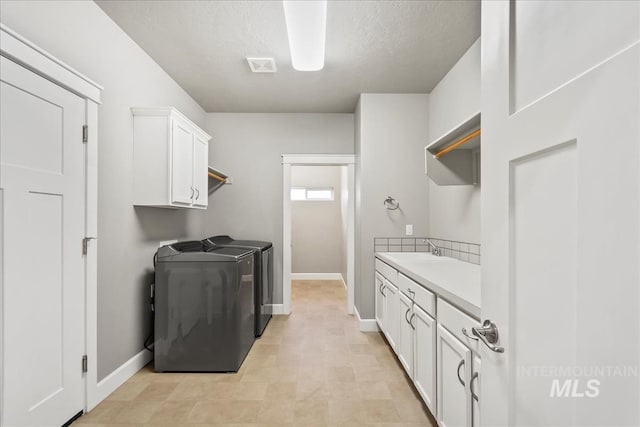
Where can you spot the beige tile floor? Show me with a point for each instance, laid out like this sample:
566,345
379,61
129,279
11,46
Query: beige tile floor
312,368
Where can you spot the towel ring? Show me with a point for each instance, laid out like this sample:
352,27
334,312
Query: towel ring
391,204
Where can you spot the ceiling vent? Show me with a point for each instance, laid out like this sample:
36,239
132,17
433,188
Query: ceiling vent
262,65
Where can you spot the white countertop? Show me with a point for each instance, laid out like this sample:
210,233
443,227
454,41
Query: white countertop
456,281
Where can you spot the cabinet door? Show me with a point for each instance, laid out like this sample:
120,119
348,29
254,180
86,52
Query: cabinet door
391,308
182,190
424,362
200,169
380,301
475,392
454,367
405,333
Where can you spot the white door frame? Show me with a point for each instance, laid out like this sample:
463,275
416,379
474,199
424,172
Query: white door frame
289,160
22,51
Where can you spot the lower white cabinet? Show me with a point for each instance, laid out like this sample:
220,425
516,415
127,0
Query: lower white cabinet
406,337
454,373
380,301
475,392
424,366
390,313
444,366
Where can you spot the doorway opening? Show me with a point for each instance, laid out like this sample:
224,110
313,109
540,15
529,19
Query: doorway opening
318,221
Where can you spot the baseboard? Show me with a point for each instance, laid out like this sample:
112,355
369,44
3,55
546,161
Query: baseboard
277,308
118,377
316,276
366,325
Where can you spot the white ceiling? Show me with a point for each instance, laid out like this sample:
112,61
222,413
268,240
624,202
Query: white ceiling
371,47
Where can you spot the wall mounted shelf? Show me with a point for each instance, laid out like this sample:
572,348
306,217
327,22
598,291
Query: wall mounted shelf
216,179
454,158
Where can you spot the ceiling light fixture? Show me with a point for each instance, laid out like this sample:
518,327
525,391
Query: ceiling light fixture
306,29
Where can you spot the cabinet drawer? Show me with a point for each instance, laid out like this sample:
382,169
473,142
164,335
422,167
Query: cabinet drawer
424,298
454,320
387,271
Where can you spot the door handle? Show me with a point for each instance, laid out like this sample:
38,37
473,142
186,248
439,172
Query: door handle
197,194
411,321
488,334
405,316
382,290
192,193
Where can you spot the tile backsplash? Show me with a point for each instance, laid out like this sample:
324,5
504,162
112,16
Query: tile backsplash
464,251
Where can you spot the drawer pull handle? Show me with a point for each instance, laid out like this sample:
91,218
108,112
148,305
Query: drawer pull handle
460,365
466,334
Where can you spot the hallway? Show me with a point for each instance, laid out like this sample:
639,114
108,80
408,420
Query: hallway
312,368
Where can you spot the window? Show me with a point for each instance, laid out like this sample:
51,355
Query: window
312,193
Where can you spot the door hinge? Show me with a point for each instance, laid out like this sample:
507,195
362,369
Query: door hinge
85,133
85,364
85,244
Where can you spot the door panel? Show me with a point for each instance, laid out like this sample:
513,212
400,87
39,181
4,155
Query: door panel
200,170
391,308
405,333
475,391
454,366
380,301
561,213
424,362
42,181
182,189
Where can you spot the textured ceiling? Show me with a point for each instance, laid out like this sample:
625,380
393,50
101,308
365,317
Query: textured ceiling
371,46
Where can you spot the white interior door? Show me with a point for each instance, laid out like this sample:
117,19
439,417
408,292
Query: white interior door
182,191
43,188
200,170
561,212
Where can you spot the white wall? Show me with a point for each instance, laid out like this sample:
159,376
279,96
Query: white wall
454,211
390,138
80,34
249,147
316,226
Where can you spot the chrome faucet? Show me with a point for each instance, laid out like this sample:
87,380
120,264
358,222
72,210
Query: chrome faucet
434,249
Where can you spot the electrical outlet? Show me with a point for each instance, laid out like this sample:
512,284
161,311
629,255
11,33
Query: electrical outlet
409,230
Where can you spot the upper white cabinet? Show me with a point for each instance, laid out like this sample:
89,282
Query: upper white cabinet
170,158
